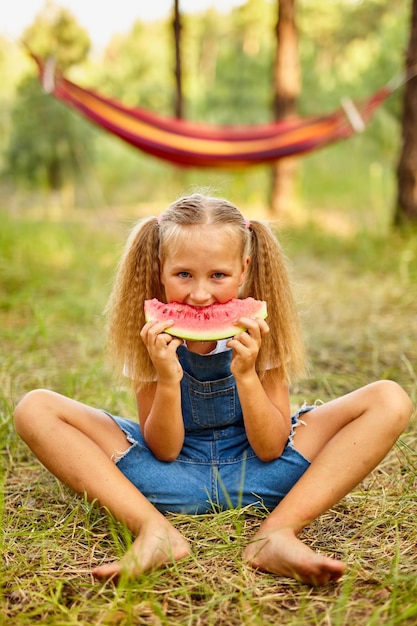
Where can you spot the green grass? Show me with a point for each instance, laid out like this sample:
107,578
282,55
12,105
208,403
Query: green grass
357,294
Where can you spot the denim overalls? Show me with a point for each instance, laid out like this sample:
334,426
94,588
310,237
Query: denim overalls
217,468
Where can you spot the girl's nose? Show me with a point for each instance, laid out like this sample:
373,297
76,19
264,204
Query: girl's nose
200,295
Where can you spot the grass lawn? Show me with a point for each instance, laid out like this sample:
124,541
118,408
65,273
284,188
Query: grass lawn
358,298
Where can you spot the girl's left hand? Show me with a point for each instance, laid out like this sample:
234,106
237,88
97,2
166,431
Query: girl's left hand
246,345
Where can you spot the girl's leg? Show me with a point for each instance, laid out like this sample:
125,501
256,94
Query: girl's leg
345,440
75,443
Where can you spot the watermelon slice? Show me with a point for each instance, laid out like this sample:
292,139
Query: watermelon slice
205,323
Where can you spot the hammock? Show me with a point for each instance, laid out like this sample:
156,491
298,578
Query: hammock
201,145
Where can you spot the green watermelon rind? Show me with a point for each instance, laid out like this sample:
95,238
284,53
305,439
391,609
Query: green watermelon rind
190,321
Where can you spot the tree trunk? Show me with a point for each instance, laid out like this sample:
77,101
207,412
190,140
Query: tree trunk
406,205
287,87
179,105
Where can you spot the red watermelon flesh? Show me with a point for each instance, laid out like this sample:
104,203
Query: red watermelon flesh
205,323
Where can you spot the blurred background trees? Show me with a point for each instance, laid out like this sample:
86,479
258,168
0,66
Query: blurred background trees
346,48
48,146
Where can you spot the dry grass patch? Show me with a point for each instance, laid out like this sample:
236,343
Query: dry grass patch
53,539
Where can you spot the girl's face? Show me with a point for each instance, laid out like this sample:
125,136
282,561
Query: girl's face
205,266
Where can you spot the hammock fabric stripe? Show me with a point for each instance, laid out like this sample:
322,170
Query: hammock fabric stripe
192,144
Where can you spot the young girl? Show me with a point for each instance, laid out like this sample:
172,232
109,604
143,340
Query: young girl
215,429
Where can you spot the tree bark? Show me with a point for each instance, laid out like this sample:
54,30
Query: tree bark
287,87
179,103
406,204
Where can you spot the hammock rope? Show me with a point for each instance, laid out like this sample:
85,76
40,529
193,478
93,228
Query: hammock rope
202,145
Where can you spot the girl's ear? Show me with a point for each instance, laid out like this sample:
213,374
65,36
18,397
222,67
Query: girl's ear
245,267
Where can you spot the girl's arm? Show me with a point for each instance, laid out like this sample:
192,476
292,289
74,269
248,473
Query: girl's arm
160,418
266,404
266,414
159,403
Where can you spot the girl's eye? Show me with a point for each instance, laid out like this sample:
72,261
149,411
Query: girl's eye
218,275
184,274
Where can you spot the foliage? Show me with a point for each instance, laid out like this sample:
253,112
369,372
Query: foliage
53,156
357,294
12,66
351,49
55,32
231,74
47,144
139,68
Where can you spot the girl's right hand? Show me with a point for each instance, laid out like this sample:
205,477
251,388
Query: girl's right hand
162,349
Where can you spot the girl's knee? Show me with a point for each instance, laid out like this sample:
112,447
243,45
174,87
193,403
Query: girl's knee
31,405
395,401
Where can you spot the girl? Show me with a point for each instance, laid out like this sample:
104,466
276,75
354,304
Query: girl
214,428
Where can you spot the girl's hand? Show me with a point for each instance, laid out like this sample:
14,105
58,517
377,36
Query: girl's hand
162,349
246,345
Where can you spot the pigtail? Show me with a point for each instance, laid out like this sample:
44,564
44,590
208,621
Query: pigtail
137,279
268,280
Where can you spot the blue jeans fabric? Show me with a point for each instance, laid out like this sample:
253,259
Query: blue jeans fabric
217,468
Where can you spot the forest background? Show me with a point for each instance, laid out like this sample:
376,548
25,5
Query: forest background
347,48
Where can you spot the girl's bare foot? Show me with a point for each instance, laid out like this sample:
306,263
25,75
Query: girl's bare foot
281,552
154,547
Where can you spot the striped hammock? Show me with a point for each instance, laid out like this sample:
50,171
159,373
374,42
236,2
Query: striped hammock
191,144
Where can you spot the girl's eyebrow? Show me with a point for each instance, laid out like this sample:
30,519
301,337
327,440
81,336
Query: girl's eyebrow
179,268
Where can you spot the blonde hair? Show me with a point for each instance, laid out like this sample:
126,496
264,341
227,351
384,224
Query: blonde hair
138,279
